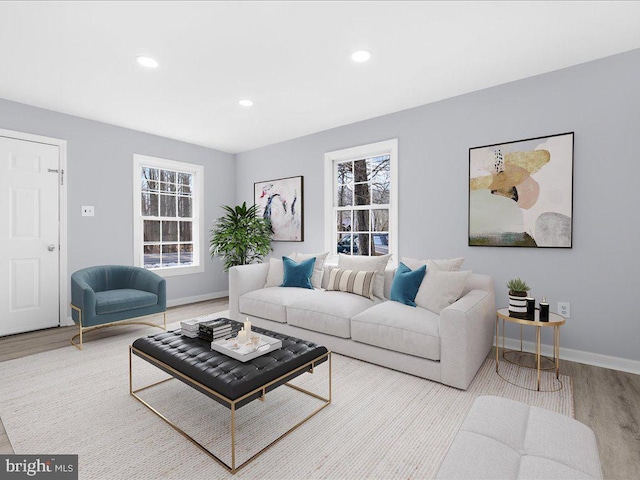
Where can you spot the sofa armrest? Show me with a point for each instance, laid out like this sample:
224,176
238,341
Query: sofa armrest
244,279
466,336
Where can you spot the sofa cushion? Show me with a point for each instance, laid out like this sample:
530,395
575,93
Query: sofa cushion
399,327
271,303
406,284
298,274
122,299
442,285
377,264
352,281
275,275
446,264
318,267
328,312
441,289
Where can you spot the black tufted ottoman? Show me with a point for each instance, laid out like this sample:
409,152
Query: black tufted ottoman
228,381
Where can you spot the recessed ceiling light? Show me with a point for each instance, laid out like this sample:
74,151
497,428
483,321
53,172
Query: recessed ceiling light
361,56
147,61
245,103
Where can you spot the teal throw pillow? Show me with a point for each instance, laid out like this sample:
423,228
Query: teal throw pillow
298,274
406,283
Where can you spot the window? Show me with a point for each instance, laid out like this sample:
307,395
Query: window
168,219
361,200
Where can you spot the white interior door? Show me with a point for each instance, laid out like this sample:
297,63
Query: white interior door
29,236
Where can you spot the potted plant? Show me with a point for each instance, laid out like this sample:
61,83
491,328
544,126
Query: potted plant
518,297
241,236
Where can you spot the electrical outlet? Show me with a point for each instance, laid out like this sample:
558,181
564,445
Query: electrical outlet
87,211
564,309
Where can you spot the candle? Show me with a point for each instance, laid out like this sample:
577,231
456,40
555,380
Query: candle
242,336
531,307
247,328
544,310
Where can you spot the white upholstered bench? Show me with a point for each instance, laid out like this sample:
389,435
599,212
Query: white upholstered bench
504,439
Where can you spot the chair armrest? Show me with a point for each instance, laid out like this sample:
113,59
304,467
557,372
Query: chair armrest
466,336
151,282
243,279
82,297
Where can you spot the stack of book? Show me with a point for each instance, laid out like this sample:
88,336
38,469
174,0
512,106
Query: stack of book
190,328
216,329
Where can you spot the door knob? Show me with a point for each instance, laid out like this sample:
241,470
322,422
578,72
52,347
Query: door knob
51,247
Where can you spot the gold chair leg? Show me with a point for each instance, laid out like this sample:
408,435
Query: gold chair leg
78,346
112,324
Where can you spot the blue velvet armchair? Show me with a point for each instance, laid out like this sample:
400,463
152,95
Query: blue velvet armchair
110,294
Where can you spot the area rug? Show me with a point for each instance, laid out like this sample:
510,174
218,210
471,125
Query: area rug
381,423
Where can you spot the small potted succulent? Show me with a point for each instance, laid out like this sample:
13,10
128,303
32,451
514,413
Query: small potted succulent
518,297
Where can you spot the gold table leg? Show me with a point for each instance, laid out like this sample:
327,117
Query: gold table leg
175,374
521,337
538,354
497,343
557,350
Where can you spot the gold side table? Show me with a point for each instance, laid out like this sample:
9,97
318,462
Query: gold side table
555,321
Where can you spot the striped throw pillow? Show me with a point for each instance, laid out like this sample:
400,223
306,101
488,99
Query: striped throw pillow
359,282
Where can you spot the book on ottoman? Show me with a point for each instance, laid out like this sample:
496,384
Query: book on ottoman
218,328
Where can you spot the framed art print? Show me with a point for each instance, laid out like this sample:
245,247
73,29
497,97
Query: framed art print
521,193
281,203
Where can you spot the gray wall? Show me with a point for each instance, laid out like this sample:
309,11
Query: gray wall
599,101
100,173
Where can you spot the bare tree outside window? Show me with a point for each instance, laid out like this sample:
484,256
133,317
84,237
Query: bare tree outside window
363,195
167,211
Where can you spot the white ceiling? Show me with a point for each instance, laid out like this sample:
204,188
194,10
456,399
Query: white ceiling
291,58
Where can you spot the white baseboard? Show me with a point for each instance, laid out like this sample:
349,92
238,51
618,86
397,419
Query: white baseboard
197,298
579,356
67,322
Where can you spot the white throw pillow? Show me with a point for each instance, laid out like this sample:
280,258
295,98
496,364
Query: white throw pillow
318,267
275,276
369,264
446,264
440,288
443,283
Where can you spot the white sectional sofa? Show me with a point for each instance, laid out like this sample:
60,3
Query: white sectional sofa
448,348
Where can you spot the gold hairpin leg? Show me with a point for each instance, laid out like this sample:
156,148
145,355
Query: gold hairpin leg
82,330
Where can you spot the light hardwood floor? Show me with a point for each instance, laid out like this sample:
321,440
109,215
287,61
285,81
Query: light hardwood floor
606,400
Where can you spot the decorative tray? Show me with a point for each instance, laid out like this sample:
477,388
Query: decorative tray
246,351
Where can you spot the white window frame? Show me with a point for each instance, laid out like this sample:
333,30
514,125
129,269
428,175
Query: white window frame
387,147
197,211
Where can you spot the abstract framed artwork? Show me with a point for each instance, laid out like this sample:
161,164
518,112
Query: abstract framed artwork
281,203
521,193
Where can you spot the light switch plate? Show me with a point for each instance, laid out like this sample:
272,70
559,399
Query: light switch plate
87,211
